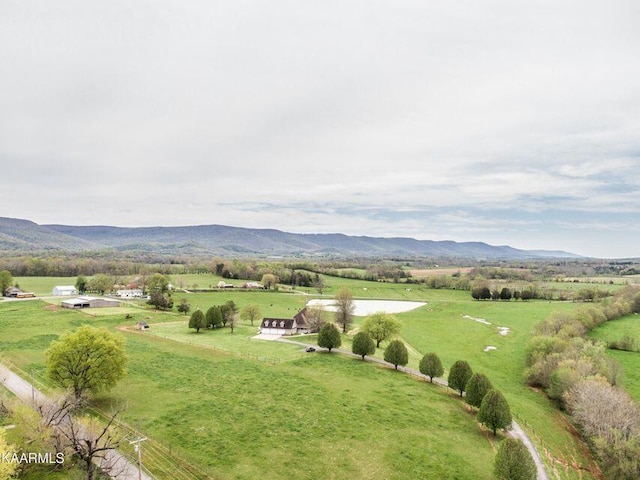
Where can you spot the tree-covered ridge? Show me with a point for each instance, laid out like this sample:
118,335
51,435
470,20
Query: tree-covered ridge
23,235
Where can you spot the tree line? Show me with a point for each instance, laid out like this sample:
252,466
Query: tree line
575,372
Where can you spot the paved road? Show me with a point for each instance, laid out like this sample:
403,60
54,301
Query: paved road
516,431
121,467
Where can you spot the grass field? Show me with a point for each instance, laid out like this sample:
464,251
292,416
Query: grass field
630,361
235,406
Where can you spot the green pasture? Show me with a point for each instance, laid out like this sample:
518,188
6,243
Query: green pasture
42,286
630,361
313,416
239,343
320,416
204,394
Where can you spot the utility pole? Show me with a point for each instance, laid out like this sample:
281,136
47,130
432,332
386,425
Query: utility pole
138,448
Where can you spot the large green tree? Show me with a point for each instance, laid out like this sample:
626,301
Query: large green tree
329,337
161,301
100,283
158,283
269,280
197,320
87,360
494,411
81,283
396,353
159,295
476,388
363,344
513,461
431,366
459,375
229,311
6,280
214,316
345,307
381,326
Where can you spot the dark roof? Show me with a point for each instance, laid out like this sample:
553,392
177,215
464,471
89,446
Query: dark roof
286,323
301,318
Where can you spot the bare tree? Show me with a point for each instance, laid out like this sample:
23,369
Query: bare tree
318,282
345,308
92,442
316,316
585,402
54,424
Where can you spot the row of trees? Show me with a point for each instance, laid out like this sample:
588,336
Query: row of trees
513,461
483,290
223,315
493,408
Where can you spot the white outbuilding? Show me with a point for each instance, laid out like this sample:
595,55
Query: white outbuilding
64,290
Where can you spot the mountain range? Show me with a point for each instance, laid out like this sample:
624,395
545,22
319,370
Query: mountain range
24,236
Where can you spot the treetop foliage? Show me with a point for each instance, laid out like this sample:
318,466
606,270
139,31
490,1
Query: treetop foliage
88,359
459,375
494,411
363,344
476,388
329,337
513,461
396,353
431,366
381,326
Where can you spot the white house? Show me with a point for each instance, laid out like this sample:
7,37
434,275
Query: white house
134,293
278,326
286,326
64,290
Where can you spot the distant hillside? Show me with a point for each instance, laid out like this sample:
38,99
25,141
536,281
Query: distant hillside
26,236
23,235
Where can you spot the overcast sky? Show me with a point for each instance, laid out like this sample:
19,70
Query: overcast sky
508,122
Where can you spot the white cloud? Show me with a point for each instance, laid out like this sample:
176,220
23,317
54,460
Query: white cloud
184,112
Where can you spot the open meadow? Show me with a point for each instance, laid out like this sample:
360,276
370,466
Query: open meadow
233,406
630,361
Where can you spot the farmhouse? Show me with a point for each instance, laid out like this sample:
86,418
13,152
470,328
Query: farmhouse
64,290
252,285
286,326
15,292
278,326
134,293
89,302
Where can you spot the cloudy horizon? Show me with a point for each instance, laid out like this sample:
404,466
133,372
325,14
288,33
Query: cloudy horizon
511,123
